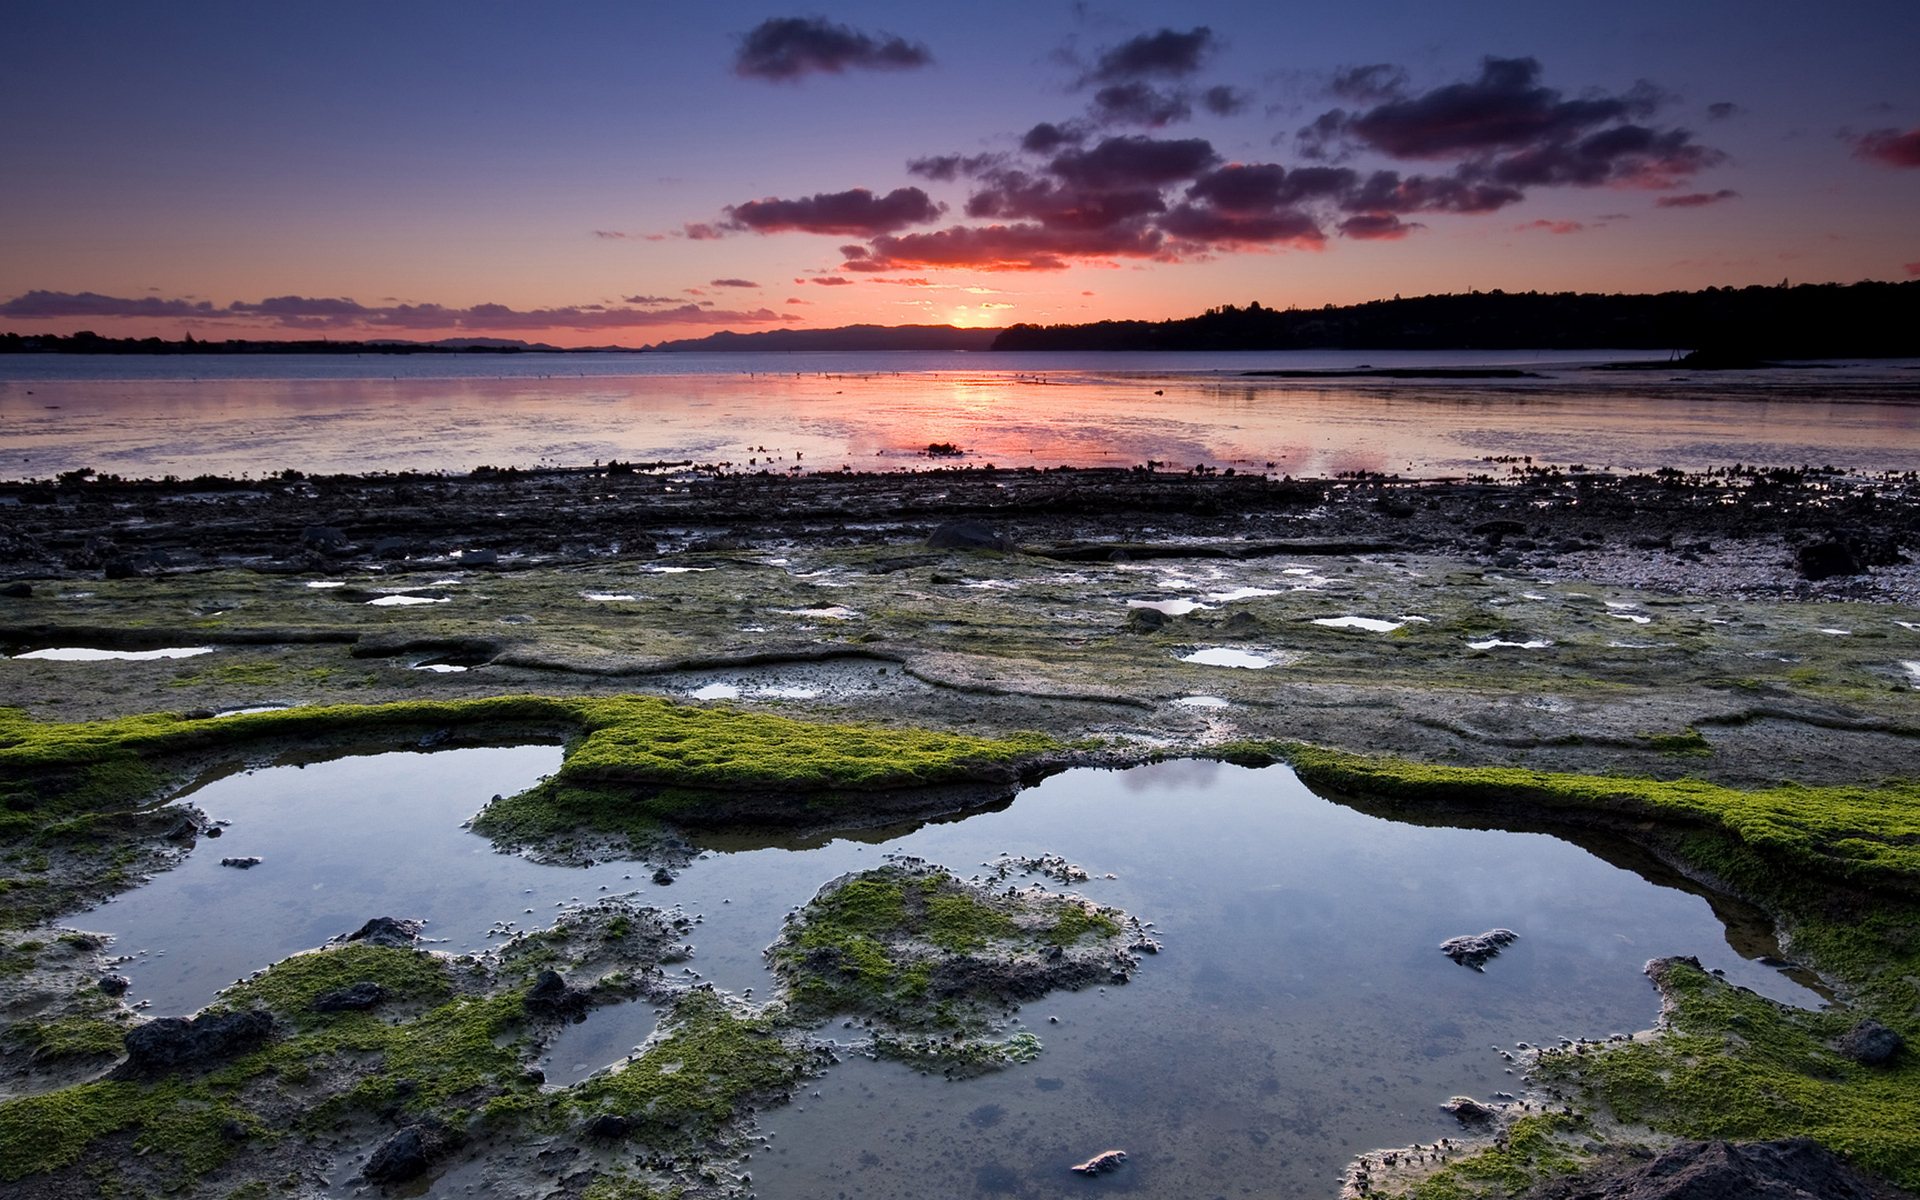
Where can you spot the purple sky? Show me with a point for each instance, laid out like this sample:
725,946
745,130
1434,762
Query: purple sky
591,173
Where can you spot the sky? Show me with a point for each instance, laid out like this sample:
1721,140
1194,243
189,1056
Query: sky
599,173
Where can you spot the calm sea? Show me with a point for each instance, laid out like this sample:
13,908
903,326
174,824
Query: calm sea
186,416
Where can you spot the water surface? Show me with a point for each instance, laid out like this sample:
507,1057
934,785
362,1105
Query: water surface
1300,1012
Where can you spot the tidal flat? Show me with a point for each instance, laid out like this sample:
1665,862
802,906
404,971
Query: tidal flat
1703,681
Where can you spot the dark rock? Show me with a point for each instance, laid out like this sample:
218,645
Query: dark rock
662,876
482,558
233,1131
323,537
438,737
212,831
115,985
121,567
1470,1112
1824,560
1101,1163
1476,949
1146,620
391,932
551,997
406,1155
245,864
357,998
608,1126
18,590
1242,624
390,547
1789,1169
1870,1043
173,1042
968,535
183,830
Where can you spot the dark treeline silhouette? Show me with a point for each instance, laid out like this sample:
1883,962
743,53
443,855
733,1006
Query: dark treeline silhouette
88,342
1807,321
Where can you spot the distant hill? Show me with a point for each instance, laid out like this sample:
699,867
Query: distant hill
846,337
1807,321
88,342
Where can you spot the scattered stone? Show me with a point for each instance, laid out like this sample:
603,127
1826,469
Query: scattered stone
115,985
969,535
404,1156
245,864
170,1043
609,1127
323,537
1870,1043
1477,949
357,998
1101,1163
391,932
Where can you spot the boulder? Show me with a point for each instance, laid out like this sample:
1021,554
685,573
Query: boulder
1789,1169
608,1127
405,1155
969,535
323,538
1146,620
1471,1112
170,1043
115,985
1101,1163
17,590
1824,560
246,863
551,997
1870,1043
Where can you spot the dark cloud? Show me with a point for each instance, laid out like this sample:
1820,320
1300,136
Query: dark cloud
786,48
1506,108
1388,191
1015,195
1371,84
1625,155
1124,162
1374,227
857,213
1218,229
833,280
1890,147
700,231
1722,110
317,314
1139,104
646,300
1269,187
1167,53
1224,101
1551,226
1047,137
1696,199
797,300
612,235
732,283
945,168
1007,248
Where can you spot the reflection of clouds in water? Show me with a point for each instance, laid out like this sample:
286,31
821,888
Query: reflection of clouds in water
1195,773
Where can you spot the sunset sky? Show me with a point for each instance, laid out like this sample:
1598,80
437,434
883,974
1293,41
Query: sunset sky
594,173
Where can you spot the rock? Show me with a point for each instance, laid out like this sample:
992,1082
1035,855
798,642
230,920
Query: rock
1824,560
18,590
183,830
406,1155
115,985
662,876
608,1126
323,537
390,547
481,558
1470,1112
391,932
245,864
1499,527
1101,1163
968,535
1870,1043
1146,620
1475,950
1242,624
357,998
169,1043
121,567
1789,1169
551,997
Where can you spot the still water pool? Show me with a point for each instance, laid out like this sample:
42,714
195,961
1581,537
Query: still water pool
1299,1014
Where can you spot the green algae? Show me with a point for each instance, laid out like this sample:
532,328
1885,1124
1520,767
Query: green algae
707,1061
1732,1064
1076,922
1530,1149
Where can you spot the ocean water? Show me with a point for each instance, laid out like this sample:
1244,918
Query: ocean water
150,417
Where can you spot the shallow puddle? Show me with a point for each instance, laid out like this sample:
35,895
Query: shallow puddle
1226,656
90,654
1300,1012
